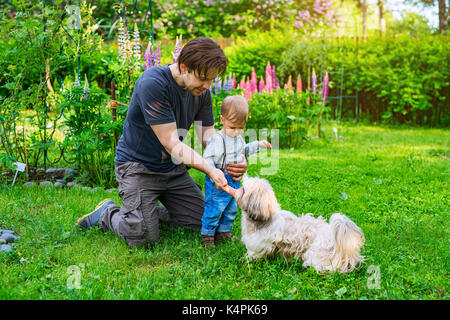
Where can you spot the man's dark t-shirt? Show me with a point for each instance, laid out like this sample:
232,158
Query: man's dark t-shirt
158,99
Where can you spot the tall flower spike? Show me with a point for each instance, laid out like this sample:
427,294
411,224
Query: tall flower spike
234,82
86,89
274,78
326,81
148,56
216,85
136,47
157,57
298,86
76,83
288,84
178,48
254,82
261,85
248,90
268,78
314,81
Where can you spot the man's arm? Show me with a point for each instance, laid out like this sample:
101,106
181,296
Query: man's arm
168,136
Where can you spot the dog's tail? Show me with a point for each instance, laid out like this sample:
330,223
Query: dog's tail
349,239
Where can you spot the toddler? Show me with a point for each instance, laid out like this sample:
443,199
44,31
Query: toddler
224,147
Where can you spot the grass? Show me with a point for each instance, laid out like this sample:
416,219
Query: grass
393,182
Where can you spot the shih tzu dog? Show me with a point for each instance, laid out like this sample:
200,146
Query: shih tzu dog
266,230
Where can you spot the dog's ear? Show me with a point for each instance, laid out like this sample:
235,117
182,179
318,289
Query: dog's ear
262,203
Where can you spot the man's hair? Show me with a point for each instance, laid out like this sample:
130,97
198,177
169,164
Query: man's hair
202,55
235,109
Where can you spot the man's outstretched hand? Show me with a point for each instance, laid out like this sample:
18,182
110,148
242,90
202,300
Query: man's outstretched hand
237,170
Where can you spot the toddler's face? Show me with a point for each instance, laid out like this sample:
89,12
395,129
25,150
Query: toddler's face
232,128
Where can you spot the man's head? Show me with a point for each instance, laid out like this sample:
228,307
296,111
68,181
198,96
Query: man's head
201,60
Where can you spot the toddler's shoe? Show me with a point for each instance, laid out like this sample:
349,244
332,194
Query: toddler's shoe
91,219
224,236
208,242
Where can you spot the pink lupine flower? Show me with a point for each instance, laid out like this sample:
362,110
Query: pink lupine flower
242,83
248,91
288,84
298,86
268,78
274,78
254,82
326,81
234,82
261,85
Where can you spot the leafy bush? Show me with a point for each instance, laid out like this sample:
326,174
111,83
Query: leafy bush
89,137
397,80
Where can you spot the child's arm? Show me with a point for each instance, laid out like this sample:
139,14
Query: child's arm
253,147
214,150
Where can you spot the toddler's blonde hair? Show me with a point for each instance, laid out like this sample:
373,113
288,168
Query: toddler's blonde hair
235,109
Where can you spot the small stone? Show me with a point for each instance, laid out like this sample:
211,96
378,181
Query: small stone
61,181
29,183
5,247
6,231
8,237
111,190
46,183
71,184
2,241
58,184
71,171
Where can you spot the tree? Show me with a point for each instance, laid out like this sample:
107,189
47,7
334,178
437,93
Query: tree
443,14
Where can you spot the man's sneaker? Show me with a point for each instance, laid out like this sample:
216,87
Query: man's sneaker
208,242
223,236
91,219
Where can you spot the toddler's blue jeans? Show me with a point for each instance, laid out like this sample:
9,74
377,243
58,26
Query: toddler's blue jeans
220,208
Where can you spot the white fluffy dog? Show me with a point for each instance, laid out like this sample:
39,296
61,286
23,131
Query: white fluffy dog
267,229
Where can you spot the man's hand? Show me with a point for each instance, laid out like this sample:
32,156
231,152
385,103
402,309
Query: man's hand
237,170
218,177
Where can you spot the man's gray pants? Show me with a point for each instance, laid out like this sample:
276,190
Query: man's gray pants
137,220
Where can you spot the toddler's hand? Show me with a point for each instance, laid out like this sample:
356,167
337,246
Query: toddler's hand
265,144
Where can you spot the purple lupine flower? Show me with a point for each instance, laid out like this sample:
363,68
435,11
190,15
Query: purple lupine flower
326,81
217,85
157,57
178,48
148,56
228,84
314,82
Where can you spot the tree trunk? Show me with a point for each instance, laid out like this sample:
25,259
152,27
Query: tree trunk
364,19
442,17
382,21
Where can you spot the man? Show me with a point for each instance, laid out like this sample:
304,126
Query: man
166,100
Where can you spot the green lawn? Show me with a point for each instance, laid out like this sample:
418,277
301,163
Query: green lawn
393,182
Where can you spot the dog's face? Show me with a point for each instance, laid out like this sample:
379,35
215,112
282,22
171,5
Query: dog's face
257,199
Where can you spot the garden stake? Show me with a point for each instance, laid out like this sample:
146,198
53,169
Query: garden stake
113,105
